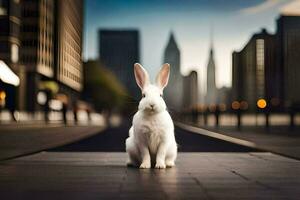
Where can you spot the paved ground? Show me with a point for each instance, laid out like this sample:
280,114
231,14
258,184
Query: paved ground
87,175
113,140
93,168
278,139
20,139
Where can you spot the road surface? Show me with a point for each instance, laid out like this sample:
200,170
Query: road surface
113,140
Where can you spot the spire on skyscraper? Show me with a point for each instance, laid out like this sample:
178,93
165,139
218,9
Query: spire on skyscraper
172,42
211,40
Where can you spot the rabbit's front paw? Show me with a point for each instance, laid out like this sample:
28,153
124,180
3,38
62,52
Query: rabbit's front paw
170,164
160,165
145,165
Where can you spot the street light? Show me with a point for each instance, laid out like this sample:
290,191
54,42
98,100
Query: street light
261,103
244,105
222,107
2,95
235,105
2,98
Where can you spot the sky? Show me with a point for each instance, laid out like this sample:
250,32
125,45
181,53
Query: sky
230,24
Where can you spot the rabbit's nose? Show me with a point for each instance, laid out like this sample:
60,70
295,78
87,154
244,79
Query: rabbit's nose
152,105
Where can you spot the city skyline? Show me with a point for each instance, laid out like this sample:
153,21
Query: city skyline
192,31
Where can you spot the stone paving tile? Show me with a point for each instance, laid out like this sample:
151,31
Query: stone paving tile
279,139
104,176
18,140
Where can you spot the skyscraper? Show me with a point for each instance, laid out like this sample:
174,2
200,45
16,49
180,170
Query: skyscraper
119,50
51,46
211,89
288,38
47,34
37,53
237,77
191,90
174,91
255,71
68,46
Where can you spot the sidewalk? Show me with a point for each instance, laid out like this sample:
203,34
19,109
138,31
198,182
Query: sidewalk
93,175
278,139
18,139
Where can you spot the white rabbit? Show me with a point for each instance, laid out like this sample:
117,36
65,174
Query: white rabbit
151,140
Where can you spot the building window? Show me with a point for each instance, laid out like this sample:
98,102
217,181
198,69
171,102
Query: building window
260,67
14,53
3,11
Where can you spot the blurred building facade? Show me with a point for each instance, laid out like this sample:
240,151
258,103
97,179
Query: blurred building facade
68,47
224,97
268,67
191,91
37,54
10,43
10,23
173,93
50,39
119,50
237,77
288,41
254,69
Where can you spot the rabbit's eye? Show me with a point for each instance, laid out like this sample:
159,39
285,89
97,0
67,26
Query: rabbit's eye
161,95
143,95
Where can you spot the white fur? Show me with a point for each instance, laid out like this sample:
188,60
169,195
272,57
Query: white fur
151,138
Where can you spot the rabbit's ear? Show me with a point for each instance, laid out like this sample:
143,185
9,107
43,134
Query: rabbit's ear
162,77
141,75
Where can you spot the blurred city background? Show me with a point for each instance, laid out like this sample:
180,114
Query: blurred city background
233,64
67,87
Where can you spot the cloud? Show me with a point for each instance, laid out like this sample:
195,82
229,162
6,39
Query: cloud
291,8
265,5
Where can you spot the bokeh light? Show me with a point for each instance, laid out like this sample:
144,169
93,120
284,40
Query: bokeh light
235,105
244,105
222,107
2,95
261,103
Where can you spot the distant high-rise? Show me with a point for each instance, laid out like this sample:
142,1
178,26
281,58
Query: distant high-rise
68,46
191,90
174,91
119,50
237,77
255,72
211,89
288,38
